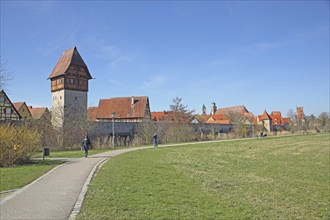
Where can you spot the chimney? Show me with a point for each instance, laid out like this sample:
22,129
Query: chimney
132,100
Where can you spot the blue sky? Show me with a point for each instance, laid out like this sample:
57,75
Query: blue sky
271,55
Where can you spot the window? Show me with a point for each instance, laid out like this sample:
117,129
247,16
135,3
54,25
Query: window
2,100
8,110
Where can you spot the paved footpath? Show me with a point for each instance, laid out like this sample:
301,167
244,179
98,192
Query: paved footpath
54,195
59,193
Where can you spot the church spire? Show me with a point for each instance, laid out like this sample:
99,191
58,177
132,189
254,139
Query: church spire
203,110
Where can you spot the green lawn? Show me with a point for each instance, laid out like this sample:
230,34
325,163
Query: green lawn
18,176
266,178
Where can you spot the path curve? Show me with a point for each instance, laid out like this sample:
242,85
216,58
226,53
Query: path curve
59,193
54,195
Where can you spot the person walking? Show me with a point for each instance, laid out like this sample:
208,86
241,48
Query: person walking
155,138
86,143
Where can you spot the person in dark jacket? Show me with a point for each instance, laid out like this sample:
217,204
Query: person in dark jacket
86,143
155,140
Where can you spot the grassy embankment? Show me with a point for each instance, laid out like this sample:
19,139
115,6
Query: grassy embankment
269,178
18,176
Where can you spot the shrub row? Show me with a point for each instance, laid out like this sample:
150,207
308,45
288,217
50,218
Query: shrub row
17,144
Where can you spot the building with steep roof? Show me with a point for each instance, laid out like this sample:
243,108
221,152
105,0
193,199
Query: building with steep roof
278,120
125,109
218,119
241,109
158,116
265,120
39,112
23,110
69,87
7,110
200,118
92,112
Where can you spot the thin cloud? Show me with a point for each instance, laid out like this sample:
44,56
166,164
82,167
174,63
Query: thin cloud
58,43
300,37
115,82
155,82
222,62
112,54
262,47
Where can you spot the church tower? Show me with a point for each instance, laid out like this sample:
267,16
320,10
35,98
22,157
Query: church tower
203,110
69,87
213,108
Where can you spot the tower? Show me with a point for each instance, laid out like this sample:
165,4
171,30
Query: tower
213,108
203,110
300,113
69,87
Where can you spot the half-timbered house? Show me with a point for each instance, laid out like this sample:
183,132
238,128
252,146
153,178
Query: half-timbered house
7,110
23,110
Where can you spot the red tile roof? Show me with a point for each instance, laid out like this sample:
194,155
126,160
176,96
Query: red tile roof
92,112
124,108
218,122
264,116
218,117
171,116
158,116
69,57
202,118
276,117
251,117
37,113
235,109
18,105
286,121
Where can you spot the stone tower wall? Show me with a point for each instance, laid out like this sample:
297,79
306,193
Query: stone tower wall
64,102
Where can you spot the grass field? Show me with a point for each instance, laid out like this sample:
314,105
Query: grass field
269,178
18,176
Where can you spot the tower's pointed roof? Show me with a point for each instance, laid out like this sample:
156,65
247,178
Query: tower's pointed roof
69,57
265,116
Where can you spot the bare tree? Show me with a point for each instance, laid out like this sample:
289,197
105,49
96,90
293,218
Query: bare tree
293,117
181,113
240,128
145,131
5,76
325,121
72,124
